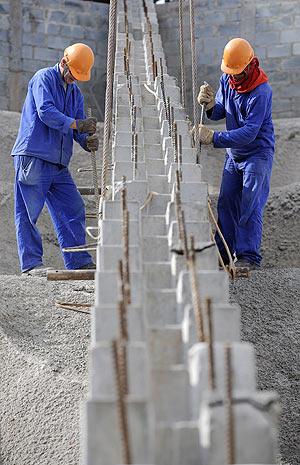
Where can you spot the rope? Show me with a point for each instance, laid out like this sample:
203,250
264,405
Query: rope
108,93
181,51
231,267
229,415
94,172
194,79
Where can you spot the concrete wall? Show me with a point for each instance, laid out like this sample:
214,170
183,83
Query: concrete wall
272,26
33,35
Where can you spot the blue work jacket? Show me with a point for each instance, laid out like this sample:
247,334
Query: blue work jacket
249,124
47,114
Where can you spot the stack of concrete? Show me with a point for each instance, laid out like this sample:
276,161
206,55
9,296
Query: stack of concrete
174,415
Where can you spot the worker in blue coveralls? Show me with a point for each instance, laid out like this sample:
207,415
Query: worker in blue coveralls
244,98
52,116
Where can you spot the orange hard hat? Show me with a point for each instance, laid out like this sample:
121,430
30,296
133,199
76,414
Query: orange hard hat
236,56
80,59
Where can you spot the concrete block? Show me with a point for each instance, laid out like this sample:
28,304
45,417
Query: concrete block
155,249
102,370
226,320
165,346
161,307
289,35
157,204
158,275
177,443
108,257
127,168
155,166
150,122
149,111
152,136
199,229
111,232
123,124
136,191
125,138
192,191
124,153
112,210
188,155
194,212
206,260
159,183
243,369
255,421
105,323
154,225
212,284
101,416
169,393
106,288
190,172
153,151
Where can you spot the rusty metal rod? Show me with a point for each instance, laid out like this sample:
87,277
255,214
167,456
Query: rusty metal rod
195,292
228,404
210,341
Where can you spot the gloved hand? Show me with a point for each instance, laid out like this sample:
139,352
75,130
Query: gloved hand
205,134
92,143
87,125
206,96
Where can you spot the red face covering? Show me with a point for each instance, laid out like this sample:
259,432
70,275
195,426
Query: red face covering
254,76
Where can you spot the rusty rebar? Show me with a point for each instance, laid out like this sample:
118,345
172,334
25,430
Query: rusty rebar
195,292
162,87
184,235
228,404
121,406
210,341
135,154
179,145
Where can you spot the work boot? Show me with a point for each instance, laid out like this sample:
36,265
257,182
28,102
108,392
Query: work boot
243,263
39,271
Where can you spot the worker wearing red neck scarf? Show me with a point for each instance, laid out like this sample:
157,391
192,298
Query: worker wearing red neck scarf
249,79
244,99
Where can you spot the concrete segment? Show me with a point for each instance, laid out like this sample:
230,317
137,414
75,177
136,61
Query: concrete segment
106,288
212,284
108,257
194,212
111,232
155,249
165,346
161,307
136,191
201,230
112,210
158,275
192,192
206,260
154,225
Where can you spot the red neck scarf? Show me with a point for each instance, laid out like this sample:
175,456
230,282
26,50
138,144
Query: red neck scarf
254,76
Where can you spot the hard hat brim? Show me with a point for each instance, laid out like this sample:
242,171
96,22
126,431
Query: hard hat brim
80,76
228,70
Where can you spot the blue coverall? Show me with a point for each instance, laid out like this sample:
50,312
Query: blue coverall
42,152
249,142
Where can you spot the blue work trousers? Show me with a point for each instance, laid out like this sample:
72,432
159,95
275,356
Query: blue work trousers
38,182
243,196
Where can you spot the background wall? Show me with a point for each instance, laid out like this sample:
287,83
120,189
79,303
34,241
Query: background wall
34,34
272,27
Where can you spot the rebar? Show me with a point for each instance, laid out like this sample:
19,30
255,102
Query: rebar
163,93
194,79
210,341
108,93
195,292
228,404
181,53
94,173
135,155
121,406
179,144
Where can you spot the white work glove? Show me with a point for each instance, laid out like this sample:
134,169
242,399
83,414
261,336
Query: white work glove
206,96
206,135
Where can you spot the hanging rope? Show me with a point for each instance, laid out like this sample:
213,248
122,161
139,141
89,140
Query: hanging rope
194,79
94,173
108,93
181,52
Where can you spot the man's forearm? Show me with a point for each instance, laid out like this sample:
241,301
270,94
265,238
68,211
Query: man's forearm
73,125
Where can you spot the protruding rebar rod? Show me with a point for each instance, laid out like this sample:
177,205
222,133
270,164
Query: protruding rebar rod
184,235
195,292
179,145
94,173
109,92
210,341
162,86
229,414
181,52
121,406
194,79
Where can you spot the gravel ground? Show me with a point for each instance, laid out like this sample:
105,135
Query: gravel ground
43,379
270,317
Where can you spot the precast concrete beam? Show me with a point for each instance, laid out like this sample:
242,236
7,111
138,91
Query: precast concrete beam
129,170
112,210
190,172
155,249
112,234
243,370
226,322
212,284
150,122
102,437
106,288
205,260
158,275
108,257
161,307
165,346
255,424
192,192
105,323
155,166
157,205
154,225
194,212
124,153
102,370
153,151
136,190
200,230
159,183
